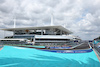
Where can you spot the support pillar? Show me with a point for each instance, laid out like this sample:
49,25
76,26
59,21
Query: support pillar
60,32
41,32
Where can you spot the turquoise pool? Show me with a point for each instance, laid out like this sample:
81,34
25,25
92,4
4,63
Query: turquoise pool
26,57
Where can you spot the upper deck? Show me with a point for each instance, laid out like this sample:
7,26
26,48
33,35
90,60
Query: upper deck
44,30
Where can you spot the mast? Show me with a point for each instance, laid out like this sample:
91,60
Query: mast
14,23
51,19
64,26
14,26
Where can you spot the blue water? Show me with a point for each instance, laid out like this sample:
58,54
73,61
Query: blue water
26,57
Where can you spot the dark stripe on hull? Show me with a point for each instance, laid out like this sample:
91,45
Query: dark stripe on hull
68,51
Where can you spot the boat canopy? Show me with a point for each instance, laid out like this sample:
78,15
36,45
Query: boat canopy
39,28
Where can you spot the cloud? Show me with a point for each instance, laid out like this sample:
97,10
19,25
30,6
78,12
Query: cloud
79,16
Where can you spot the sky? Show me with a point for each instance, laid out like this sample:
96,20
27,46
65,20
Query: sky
82,17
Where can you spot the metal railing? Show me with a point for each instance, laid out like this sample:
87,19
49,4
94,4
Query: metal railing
97,48
13,43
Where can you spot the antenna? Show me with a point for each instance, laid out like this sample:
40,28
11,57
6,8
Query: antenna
14,22
51,19
64,25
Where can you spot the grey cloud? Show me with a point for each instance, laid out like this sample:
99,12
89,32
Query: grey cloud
2,1
81,17
59,17
51,3
5,9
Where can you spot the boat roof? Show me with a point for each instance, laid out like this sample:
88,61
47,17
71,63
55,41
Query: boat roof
39,28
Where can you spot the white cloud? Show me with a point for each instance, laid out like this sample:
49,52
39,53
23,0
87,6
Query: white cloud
81,17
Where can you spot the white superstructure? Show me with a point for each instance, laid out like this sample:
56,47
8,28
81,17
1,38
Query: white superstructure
42,35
